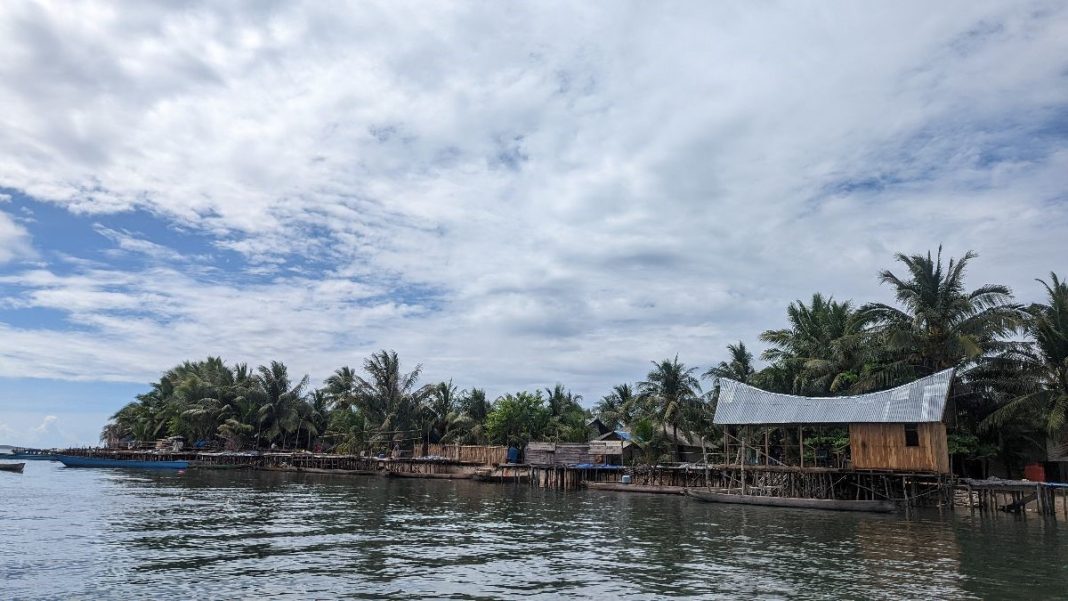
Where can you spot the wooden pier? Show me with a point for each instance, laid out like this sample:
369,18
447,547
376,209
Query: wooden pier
1014,496
919,489
906,489
322,463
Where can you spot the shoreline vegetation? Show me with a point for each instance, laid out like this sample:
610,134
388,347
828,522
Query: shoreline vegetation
1009,397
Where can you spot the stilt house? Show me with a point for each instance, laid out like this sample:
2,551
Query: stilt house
900,429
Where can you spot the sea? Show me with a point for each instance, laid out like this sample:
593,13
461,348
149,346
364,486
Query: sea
101,534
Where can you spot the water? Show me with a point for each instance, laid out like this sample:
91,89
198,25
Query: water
112,534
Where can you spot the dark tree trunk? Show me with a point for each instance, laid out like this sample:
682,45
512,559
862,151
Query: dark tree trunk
675,435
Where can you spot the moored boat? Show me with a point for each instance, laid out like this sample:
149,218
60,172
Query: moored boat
830,504
30,454
79,461
12,467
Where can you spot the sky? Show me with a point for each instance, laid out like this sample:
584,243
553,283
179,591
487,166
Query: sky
511,194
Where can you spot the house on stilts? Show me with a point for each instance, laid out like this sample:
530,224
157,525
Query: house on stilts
897,430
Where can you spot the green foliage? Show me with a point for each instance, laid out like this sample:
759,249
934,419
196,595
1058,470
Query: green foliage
518,418
940,323
670,395
970,446
654,442
815,355
836,439
739,368
1032,380
617,408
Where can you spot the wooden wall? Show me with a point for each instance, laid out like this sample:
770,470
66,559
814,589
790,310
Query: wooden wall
571,453
469,453
558,453
882,447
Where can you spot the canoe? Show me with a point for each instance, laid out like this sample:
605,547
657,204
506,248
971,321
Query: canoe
78,461
831,504
652,489
12,467
389,474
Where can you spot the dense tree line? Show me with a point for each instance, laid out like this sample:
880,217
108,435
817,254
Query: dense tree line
378,408
1010,392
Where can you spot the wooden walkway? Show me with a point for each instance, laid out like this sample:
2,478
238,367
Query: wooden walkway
1014,496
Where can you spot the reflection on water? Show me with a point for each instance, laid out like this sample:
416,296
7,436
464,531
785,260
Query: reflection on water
124,535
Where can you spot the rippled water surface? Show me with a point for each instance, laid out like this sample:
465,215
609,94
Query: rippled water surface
112,534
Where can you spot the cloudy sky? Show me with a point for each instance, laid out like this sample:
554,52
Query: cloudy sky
512,194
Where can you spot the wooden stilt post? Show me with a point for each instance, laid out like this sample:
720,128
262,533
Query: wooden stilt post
801,441
743,459
726,445
767,457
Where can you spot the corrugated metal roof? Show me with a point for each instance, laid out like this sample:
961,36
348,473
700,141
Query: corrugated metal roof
921,401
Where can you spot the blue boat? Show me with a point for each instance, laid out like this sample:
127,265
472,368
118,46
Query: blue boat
78,461
31,454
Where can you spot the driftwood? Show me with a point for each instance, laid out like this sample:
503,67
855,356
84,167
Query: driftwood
1018,505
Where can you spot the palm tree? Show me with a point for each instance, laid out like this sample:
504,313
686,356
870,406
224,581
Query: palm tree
1034,377
567,419
672,390
474,405
617,407
202,394
388,398
560,400
439,410
941,325
341,388
739,368
818,353
279,398
314,412
469,424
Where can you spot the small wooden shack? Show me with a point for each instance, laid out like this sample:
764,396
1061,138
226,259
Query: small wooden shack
898,430
557,453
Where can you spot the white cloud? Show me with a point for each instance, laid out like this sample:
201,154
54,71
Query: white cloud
36,429
14,240
579,188
48,424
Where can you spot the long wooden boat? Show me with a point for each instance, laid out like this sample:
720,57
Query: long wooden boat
418,475
78,461
12,467
643,488
831,504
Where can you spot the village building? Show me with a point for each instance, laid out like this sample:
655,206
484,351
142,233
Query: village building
899,430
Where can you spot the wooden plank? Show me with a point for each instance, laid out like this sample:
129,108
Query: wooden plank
606,447
1018,505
